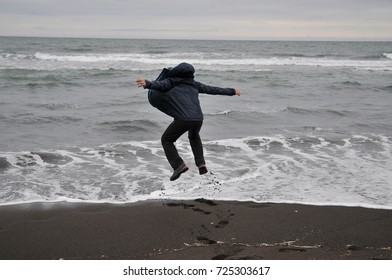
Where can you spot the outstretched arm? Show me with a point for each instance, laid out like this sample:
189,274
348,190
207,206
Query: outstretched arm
163,85
216,90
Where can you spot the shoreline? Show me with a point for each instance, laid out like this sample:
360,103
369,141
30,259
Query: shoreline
193,229
162,200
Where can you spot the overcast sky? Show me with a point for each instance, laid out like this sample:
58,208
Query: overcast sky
199,19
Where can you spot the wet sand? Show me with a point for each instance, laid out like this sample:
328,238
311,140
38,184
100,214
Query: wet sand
198,229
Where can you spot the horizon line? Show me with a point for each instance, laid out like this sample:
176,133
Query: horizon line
299,39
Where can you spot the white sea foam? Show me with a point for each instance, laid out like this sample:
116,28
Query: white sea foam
226,112
312,170
203,61
388,55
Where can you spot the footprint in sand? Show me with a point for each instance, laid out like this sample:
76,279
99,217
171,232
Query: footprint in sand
285,250
205,240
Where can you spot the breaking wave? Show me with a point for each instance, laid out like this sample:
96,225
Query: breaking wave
204,61
355,170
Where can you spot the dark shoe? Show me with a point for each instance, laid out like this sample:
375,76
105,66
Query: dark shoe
202,169
177,173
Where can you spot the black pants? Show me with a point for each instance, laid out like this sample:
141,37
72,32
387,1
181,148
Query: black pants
173,132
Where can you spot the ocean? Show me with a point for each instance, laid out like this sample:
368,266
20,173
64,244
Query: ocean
313,124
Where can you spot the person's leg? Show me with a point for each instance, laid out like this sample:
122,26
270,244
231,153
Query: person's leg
171,134
196,143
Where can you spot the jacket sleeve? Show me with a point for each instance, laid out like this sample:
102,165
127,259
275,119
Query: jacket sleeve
214,90
162,86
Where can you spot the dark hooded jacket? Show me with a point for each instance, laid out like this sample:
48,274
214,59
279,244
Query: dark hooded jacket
181,93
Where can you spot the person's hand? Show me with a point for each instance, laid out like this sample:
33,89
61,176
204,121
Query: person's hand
237,91
141,82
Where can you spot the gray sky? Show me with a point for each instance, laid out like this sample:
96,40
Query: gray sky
199,19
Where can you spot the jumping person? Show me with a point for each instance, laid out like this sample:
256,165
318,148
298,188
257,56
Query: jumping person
182,98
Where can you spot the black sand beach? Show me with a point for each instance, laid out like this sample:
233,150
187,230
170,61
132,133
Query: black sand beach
199,229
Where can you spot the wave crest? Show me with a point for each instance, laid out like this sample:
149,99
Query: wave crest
204,61
388,55
303,168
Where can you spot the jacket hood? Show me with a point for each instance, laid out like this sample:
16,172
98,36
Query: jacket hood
182,70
